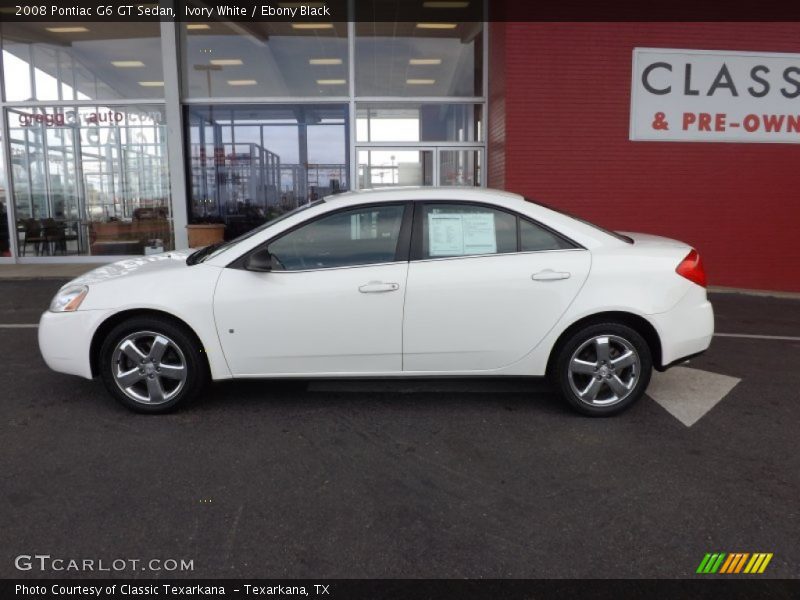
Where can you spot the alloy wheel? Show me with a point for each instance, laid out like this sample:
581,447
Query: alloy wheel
604,370
149,367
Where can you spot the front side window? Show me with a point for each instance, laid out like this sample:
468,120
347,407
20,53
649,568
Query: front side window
362,236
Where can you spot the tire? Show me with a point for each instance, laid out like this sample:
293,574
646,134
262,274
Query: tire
598,386
153,354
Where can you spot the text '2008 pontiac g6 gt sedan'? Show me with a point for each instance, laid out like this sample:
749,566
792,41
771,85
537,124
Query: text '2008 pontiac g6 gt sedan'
391,283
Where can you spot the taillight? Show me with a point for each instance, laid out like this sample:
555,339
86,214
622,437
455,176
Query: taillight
692,269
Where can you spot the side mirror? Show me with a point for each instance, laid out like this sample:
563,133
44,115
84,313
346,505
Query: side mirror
260,260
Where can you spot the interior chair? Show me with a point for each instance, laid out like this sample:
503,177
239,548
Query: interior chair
55,237
34,234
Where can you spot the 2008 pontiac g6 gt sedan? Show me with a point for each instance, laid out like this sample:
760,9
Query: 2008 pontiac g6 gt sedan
391,283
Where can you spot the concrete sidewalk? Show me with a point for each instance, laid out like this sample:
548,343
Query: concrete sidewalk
46,271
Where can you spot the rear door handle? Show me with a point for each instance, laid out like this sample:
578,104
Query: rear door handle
378,287
550,275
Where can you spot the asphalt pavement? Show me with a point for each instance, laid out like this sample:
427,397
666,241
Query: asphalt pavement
444,479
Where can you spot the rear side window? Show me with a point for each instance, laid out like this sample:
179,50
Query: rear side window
533,237
621,237
466,230
450,230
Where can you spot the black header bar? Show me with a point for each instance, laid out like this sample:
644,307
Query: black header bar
424,11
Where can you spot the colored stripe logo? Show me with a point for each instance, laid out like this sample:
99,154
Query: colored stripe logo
734,563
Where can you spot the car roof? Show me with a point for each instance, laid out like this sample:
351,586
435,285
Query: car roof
423,193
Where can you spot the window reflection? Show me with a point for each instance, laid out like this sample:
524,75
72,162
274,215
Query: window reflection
419,59
90,180
460,167
418,122
82,61
256,59
393,167
5,247
250,164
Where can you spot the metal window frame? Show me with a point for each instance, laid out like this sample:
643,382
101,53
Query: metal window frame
177,156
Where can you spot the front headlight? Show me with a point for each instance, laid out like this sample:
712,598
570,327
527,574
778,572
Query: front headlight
69,299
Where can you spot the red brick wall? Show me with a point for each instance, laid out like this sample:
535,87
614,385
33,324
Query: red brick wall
496,124
560,135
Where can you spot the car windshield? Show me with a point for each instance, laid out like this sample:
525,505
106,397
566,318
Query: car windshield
213,250
614,234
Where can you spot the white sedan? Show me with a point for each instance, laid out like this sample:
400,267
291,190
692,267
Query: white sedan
391,283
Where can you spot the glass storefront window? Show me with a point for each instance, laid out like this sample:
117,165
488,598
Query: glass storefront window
419,59
90,180
5,247
418,122
260,59
252,163
82,61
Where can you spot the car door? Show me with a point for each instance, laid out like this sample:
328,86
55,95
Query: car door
484,287
332,303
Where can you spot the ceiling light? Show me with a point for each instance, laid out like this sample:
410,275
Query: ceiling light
312,25
67,29
226,62
425,61
198,26
324,61
151,83
420,81
127,64
242,82
331,81
445,4
436,25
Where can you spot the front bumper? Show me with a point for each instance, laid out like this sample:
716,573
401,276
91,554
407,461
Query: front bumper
65,340
687,329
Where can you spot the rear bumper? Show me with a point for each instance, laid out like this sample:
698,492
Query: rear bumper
679,361
686,330
65,340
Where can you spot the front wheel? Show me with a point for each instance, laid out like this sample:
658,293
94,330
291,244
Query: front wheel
603,368
151,364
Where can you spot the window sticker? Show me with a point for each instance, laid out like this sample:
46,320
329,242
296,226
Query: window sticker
452,234
480,236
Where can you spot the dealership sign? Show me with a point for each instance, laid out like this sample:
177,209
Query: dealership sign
715,96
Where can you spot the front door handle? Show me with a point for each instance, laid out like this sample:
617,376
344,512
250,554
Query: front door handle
378,287
550,275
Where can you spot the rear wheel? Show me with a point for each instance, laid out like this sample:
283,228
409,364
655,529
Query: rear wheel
152,364
603,368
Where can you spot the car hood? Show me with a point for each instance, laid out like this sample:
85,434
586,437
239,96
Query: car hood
129,267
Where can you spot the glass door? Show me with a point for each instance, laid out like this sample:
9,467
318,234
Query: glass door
388,167
380,166
460,166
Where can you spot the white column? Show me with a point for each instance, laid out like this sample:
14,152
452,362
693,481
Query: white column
174,127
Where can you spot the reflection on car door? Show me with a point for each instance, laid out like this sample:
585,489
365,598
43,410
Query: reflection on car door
332,304
484,287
